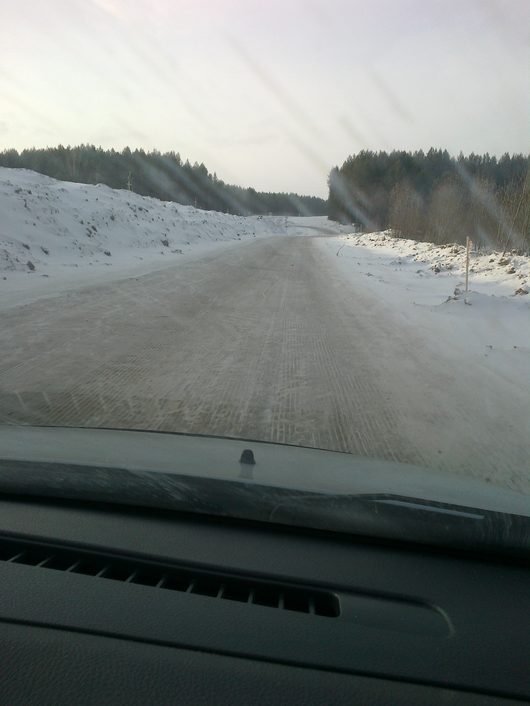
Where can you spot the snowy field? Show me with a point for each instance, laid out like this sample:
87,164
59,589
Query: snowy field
57,235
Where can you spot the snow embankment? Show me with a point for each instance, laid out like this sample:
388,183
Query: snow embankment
490,272
56,235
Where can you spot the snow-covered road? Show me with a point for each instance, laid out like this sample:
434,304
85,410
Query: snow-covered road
276,339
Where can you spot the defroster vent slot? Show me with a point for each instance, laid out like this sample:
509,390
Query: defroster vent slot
185,579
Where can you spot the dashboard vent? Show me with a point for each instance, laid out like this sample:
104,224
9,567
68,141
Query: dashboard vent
172,578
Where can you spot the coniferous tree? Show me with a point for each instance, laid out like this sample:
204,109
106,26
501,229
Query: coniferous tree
435,196
164,176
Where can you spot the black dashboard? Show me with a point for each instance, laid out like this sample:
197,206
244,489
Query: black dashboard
106,604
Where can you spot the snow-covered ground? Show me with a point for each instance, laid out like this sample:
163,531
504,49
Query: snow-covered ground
484,336
466,365
424,284
439,267
57,235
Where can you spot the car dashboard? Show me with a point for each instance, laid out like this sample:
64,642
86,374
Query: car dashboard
110,604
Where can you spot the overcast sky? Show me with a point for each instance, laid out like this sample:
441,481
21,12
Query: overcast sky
268,93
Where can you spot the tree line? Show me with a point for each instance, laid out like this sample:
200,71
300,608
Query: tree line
161,175
436,197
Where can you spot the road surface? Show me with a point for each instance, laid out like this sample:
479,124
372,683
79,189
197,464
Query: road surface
264,341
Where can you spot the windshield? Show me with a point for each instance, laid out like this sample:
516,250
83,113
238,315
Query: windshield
303,223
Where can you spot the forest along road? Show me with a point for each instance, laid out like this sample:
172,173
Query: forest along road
262,341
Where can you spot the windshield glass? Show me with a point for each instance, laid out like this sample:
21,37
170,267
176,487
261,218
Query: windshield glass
303,223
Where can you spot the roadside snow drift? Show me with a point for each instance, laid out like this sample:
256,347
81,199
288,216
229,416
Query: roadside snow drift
490,272
77,233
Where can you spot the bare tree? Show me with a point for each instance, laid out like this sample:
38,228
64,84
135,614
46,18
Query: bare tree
407,211
447,218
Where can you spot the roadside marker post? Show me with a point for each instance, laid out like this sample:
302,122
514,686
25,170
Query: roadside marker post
468,250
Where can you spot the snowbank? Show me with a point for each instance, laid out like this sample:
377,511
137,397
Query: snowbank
56,235
490,272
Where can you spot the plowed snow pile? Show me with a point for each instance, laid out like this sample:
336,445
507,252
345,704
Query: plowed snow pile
490,272
77,234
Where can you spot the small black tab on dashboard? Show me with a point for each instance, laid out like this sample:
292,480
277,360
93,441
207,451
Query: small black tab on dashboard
247,457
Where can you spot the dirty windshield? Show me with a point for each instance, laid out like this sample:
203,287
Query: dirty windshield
304,223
